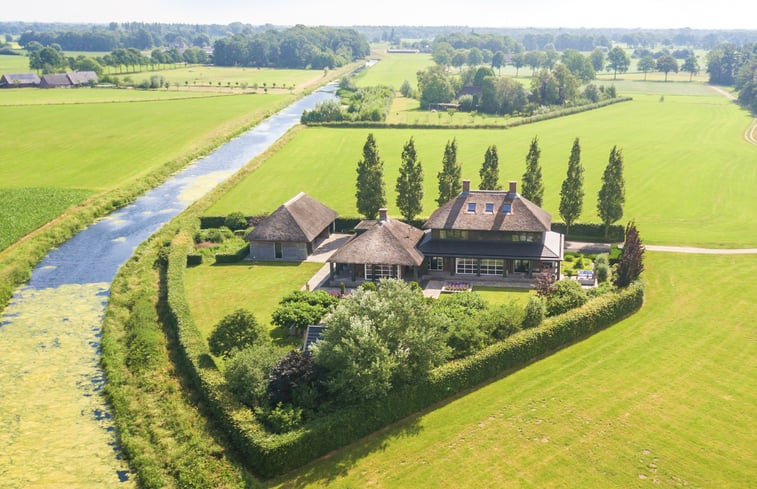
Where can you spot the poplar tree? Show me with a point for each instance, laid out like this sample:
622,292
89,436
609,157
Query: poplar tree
533,185
449,177
370,194
410,183
612,195
490,170
572,192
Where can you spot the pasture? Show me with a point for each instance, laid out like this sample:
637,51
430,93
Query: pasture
228,77
664,398
13,64
34,96
689,174
393,69
213,291
66,152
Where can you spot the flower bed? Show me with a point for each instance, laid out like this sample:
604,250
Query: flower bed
451,287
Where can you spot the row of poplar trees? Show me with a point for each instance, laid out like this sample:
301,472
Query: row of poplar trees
371,195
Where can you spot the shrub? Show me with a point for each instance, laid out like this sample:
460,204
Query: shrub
567,295
283,418
235,221
143,339
545,283
603,272
314,298
632,260
238,330
501,321
248,370
407,90
292,375
298,315
466,103
535,312
368,286
213,235
602,259
194,260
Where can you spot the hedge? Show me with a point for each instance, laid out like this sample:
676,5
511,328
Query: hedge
233,257
270,454
517,122
592,232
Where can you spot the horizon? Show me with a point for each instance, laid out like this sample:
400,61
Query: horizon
546,14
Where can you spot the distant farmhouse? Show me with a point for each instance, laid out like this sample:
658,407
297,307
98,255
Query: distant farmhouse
19,80
54,80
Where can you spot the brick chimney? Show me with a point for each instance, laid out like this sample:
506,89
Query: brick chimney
382,215
466,186
513,187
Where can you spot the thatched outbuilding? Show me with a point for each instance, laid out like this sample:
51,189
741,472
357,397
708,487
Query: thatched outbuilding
19,80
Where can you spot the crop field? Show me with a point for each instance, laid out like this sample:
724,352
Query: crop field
393,69
35,96
62,153
689,174
663,398
213,291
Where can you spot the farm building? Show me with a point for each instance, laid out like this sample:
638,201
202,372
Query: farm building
293,230
19,80
381,249
492,233
82,77
57,80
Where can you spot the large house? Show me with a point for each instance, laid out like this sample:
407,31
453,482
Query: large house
293,230
19,80
491,233
386,248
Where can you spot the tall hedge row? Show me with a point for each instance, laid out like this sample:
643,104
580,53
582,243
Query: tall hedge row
270,454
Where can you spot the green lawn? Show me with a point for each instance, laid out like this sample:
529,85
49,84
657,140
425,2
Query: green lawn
213,291
13,64
204,75
36,96
690,176
503,295
664,398
393,69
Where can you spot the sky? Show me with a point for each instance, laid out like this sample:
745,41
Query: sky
697,14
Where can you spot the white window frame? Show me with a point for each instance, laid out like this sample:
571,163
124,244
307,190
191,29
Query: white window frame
382,271
465,266
436,263
492,266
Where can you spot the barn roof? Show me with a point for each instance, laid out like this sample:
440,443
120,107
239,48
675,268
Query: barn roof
22,78
388,242
82,77
300,219
523,214
56,80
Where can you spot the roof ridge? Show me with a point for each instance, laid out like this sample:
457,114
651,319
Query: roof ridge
293,199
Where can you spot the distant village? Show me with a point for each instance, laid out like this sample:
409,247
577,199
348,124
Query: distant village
55,80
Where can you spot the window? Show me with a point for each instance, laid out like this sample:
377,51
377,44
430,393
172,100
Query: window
522,265
472,207
492,267
466,266
489,208
436,263
375,272
278,250
453,234
506,208
525,237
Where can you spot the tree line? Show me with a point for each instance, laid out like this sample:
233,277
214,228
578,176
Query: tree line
298,47
371,193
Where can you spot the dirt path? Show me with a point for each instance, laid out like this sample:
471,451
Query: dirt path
593,248
750,134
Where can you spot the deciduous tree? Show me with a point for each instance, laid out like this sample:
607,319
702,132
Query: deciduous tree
632,260
572,191
533,185
237,330
449,177
691,65
597,58
667,64
612,195
489,172
647,64
618,61
410,183
370,194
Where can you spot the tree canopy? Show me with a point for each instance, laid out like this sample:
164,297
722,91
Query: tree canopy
489,172
618,61
410,183
572,191
532,186
612,194
449,178
370,194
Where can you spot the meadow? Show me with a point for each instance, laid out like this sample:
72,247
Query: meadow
13,64
205,75
87,148
664,397
34,96
689,174
393,69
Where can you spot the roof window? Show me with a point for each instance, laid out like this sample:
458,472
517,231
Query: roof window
489,208
507,209
472,207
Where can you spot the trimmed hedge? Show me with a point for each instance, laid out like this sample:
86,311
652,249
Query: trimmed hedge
592,232
194,260
271,454
518,122
233,257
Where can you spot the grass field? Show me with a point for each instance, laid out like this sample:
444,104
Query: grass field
665,398
213,291
13,64
205,75
35,96
393,69
29,208
689,174
503,295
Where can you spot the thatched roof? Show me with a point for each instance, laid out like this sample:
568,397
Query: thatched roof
300,219
19,78
55,80
524,215
82,77
388,242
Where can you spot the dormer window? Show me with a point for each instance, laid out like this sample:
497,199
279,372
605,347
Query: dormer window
506,208
472,207
489,208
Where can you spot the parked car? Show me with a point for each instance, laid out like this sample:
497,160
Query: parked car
586,277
